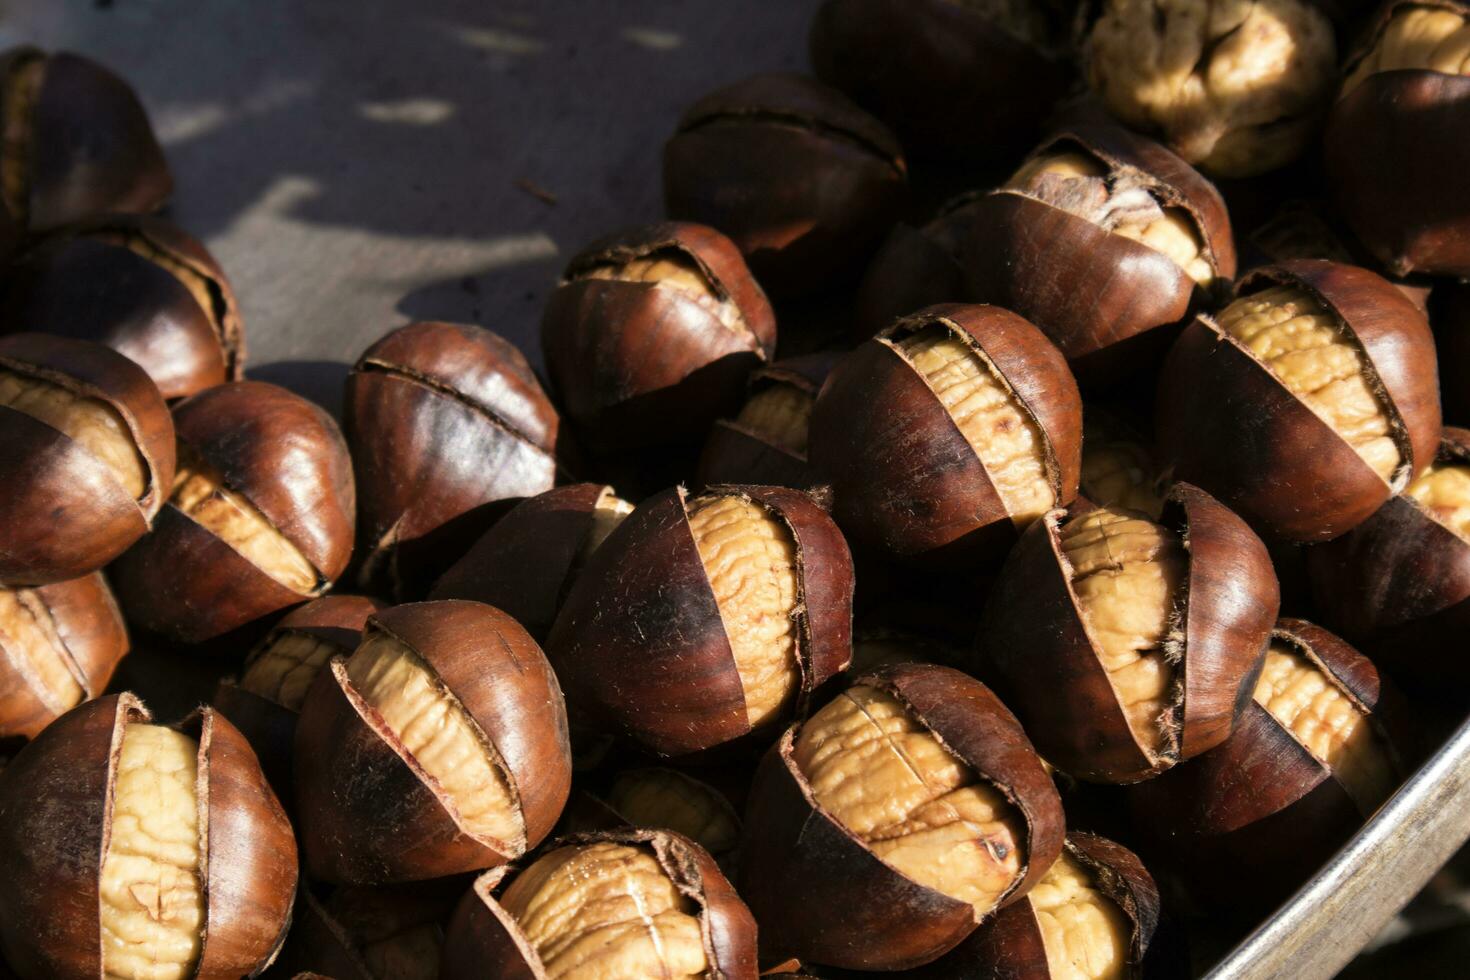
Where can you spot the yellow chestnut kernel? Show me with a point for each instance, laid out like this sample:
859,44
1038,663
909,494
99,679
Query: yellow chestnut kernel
283,670
1443,491
28,635
1085,934
780,414
671,800
91,423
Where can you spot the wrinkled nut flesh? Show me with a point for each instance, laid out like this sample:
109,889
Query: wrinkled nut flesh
283,670
1316,358
1235,86
881,774
438,733
988,415
781,415
22,91
605,911
200,493
750,558
1429,38
151,892
1126,572
1026,19
1081,184
1118,473
1085,933
91,423
1443,491
673,269
608,512
28,634
1327,723
670,800
201,287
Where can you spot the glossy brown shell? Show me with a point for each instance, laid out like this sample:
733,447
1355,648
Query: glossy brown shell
63,513
734,454
331,936
640,645
804,181
800,868
483,942
906,483
912,269
366,813
1232,428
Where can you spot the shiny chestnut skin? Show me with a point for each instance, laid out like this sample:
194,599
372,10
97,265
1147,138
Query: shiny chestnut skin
906,483
64,512
88,146
804,181
915,267
735,452
800,867
286,457
1232,428
347,762
140,285
443,419
56,801
641,645
598,332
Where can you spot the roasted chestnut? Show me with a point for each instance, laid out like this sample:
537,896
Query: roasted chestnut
680,289
527,561
1118,465
128,849
442,418
450,713
701,620
1307,402
766,443
947,434
88,448
259,519
141,286
391,933
1101,239
634,903
1126,645
1396,143
914,268
916,789
59,645
804,181
77,142
1237,89
658,797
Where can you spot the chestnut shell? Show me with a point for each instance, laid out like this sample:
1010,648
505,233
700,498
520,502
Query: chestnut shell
734,454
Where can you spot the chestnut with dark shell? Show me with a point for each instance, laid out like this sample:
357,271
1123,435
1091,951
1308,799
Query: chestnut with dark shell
390,933
764,451
915,267
804,181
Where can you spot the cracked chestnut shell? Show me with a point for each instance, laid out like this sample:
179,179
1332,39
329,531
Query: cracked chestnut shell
677,288
259,519
139,285
1102,239
804,181
698,919
703,619
911,479
442,418
81,867
801,864
915,267
390,933
766,442
448,711
89,450
1151,633
1307,402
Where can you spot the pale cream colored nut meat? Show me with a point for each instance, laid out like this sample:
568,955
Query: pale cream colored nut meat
668,799
150,888
606,911
1443,491
749,556
608,512
91,423
1236,87
988,414
22,90
1085,934
1310,352
29,638
880,773
1118,473
1429,38
673,269
781,414
438,733
283,669
1127,572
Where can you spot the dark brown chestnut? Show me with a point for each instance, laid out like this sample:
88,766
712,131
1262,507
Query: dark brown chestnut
651,333
143,287
1307,402
659,797
390,933
59,645
130,849
635,903
947,434
914,268
88,449
1102,238
703,619
804,181
440,746
443,419
766,443
259,518
1126,645
916,789
77,142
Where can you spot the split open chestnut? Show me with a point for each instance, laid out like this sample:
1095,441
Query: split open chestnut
766,443
664,798
915,267
1119,465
